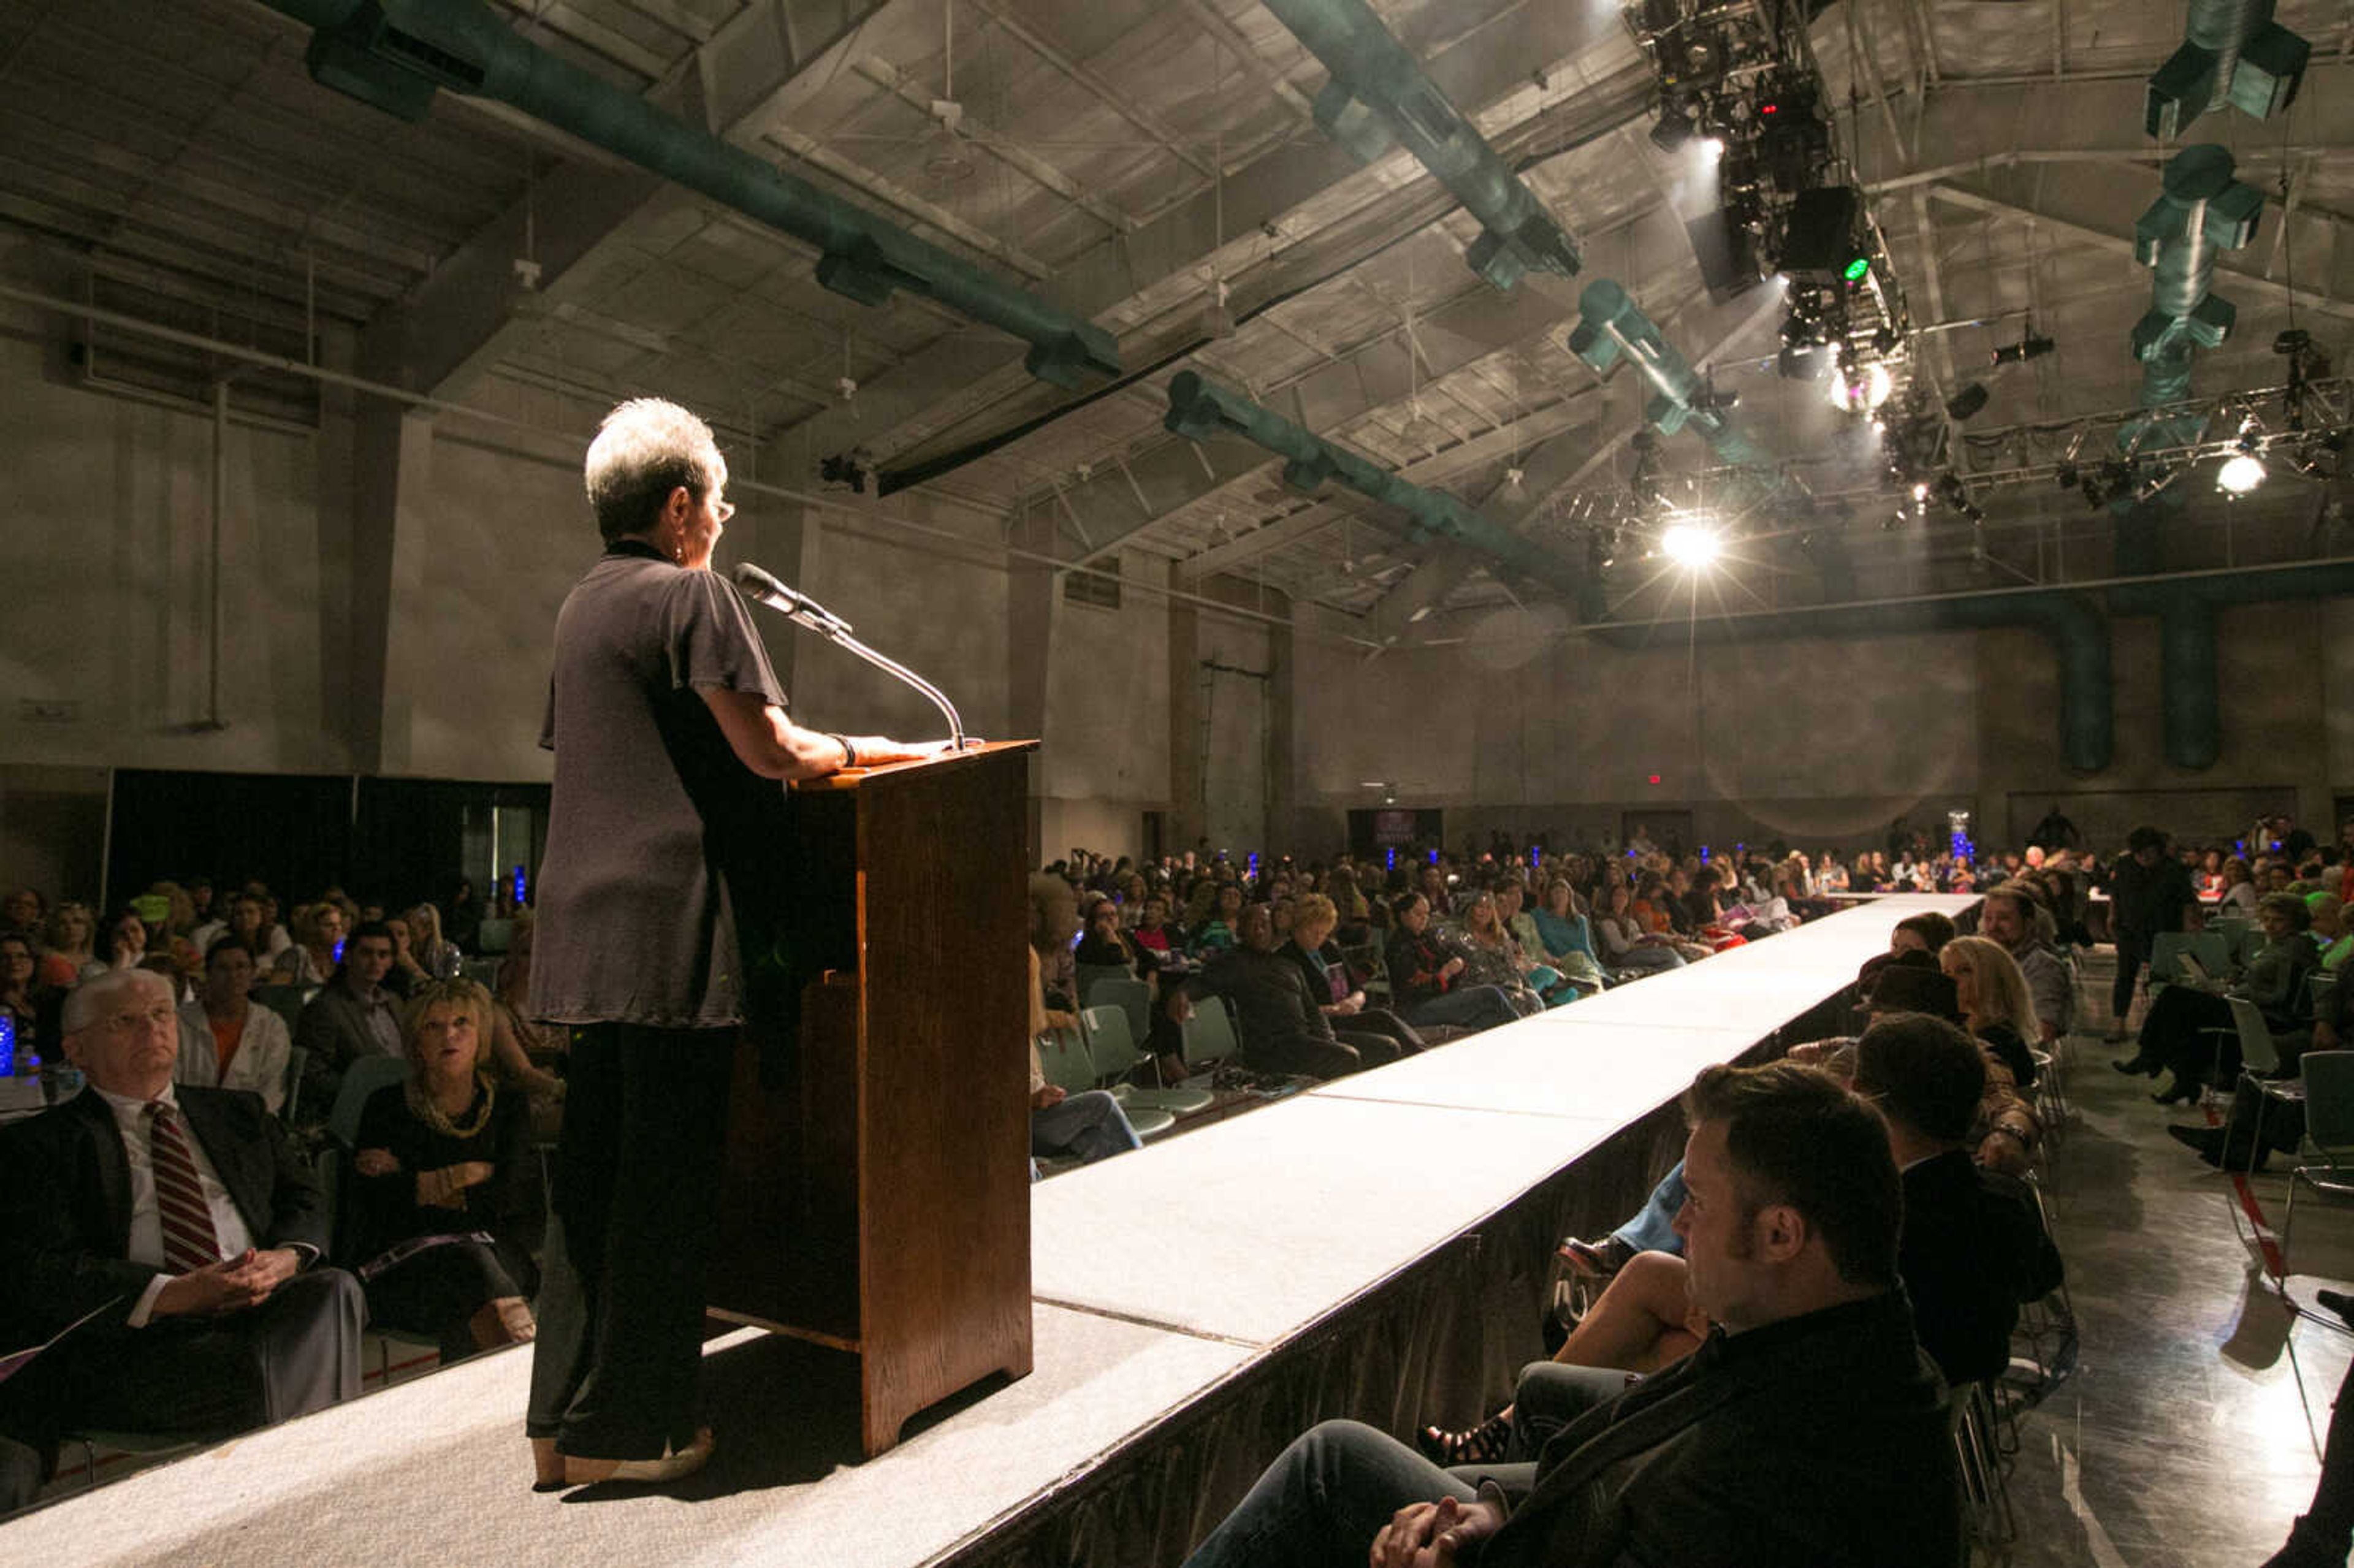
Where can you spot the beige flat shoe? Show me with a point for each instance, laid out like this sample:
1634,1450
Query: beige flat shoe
671,1467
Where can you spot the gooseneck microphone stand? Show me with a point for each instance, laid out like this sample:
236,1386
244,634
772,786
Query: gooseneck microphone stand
812,616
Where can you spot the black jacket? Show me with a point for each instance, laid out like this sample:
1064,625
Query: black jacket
1272,1004
65,1204
1817,1441
2145,900
1966,1259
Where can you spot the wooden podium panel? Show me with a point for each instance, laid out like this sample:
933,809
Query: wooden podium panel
878,1197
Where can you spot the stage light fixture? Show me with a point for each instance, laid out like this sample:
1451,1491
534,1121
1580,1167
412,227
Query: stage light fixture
1675,128
1967,402
1857,269
2241,472
1691,546
1863,391
2032,346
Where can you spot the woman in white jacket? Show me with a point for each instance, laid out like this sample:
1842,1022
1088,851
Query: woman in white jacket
227,1040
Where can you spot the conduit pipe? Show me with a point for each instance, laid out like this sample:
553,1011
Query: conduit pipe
396,54
1200,408
1378,95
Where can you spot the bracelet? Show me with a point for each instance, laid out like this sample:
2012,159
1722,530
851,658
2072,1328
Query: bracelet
849,752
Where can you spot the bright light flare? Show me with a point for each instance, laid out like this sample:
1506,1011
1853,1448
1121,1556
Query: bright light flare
2240,473
1862,392
1691,546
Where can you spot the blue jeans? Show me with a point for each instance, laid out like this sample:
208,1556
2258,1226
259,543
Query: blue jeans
1089,1124
1322,1502
1654,1229
1473,1007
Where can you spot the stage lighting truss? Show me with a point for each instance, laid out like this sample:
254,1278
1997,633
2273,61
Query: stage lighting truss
1929,465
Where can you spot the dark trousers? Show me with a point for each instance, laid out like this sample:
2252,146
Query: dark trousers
1473,1007
1322,1502
636,1211
296,1352
1389,1026
438,1291
2133,952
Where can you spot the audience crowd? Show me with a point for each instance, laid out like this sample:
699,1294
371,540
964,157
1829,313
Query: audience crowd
208,1058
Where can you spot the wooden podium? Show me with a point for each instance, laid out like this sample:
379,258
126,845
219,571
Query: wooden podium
877,1198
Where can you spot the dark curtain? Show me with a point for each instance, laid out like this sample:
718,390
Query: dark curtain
409,842
293,833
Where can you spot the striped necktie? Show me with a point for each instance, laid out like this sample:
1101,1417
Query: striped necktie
190,1242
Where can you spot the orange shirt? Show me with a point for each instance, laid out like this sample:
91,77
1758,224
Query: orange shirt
225,1039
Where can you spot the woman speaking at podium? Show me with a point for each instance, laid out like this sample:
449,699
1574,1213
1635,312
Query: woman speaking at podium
668,729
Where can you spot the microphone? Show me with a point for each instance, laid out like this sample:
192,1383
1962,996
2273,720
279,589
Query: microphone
765,588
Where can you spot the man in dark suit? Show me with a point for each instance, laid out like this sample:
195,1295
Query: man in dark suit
180,1225
1280,1027
1807,1432
353,1016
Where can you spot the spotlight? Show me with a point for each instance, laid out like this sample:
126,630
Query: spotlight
1675,128
1863,391
842,473
1967,402
1857,269
2066,477
2241,472
1712,145
2029,348
1691,546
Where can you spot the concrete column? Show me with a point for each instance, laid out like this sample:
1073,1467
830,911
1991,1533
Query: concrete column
1032,603
392,464
1186,817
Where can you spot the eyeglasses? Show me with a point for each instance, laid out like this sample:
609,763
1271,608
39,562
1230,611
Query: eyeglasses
722,510
160,1016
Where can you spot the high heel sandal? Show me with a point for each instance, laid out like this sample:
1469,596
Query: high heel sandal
1597,1260
1482,1445
2179,1094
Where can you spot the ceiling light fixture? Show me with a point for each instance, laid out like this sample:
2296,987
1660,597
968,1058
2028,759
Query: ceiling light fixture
1691,546
2241,472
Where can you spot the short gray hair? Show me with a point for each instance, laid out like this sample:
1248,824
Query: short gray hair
95,998
646,448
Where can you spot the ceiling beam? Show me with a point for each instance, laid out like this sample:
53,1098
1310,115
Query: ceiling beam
1259,232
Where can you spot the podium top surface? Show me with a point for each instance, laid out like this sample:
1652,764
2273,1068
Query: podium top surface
853,778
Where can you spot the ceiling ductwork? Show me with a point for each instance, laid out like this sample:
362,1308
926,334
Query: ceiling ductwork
2201,212
1610,326
1378,96
1199,409
2232,53
396,54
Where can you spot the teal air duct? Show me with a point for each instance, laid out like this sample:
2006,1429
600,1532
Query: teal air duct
1199,409
2200,212
1611,325
2232,53
1378,95
396,54
2071,622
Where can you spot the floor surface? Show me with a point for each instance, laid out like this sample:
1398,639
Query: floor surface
2189,1435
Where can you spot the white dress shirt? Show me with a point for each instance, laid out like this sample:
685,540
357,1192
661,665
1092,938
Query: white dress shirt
146,1224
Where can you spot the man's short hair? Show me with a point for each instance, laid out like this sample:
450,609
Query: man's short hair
99,995
223,943
1795,1135
2143,838
369,929
646,448
1934,929
1925,1073
2022,896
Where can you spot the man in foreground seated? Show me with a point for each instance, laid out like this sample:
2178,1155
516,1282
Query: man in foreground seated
181,1224
1806,1430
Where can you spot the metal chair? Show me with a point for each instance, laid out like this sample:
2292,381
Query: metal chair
1986,1489
361,1079
1132,996
1115,1055
2326,1156
297,1059
1210,1036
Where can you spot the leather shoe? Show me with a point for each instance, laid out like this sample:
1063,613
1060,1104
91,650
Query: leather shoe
2204,1142
2337,1301
2133,1064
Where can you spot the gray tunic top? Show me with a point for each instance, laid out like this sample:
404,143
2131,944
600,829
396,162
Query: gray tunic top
655,824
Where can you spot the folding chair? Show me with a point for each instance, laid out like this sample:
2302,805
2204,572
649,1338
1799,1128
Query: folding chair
2326,1156
1132,996
1114,1051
